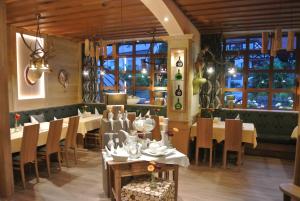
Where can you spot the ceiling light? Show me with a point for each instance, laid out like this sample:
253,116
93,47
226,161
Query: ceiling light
102,72
231,71
144,71
210,70
85,73
166,19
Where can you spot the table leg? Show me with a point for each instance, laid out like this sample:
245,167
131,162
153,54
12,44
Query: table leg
286,197
175,178
117,184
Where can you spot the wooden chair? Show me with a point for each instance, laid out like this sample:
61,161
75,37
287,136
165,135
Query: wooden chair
70,142
28,153
156,131
204,137
233,140
52,145
291,191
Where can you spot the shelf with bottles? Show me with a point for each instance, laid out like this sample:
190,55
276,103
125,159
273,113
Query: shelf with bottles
177,84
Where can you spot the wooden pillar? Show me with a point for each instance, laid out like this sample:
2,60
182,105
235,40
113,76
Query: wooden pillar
6,173
297,164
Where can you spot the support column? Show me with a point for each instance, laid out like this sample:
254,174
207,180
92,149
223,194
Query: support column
6,173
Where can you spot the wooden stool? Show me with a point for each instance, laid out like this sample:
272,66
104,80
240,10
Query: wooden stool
141,190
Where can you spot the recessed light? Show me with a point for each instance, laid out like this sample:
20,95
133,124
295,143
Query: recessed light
166,19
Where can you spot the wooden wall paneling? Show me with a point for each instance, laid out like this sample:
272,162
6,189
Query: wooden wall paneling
6,176
180,140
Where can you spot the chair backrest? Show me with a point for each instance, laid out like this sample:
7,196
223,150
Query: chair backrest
204,132
156,131
105,114
233,134
54,135
29,143
70,141
131,116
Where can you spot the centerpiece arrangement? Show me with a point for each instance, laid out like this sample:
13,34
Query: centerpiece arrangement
138,142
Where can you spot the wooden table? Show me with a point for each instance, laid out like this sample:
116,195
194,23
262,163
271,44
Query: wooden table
117,170
249,132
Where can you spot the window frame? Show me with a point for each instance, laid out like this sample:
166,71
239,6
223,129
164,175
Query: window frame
271,71
152,88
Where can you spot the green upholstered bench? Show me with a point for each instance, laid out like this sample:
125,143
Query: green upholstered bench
50,112
273,127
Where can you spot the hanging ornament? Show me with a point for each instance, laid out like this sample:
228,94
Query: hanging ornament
86,47
278,39
290,42
114,47
273,47
264,42
104,49
98,48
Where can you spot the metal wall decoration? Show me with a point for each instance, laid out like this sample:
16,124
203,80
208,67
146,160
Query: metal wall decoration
210,94
90,71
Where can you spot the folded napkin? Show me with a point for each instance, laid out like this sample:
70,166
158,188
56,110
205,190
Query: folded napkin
96,112
79,112
110,119
148,113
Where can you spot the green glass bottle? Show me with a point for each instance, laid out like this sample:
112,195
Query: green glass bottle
178,105
178,75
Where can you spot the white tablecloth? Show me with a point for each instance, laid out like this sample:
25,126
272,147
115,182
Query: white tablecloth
87,123
249,132
176,157
16,136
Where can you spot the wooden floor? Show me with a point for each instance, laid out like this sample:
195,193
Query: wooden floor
258,180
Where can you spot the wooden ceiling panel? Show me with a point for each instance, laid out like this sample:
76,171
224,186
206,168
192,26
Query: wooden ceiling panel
211,16
108,19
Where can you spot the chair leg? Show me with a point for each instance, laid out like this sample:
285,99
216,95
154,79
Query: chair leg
210,156
75,155
36,171
22,174
239,160
197,155
48,164
66,157
59,160
286,197
224,158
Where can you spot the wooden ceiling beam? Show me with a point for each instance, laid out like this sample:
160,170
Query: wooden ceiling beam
30,20
100,22
236,4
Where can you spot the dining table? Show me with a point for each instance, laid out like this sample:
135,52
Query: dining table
86,123
249,133
113,171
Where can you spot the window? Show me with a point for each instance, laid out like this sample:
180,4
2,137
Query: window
138,68
262,81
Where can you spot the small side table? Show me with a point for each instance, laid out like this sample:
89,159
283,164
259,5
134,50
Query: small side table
141,190
117,170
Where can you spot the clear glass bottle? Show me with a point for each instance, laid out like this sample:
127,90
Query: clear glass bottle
178,75
178,105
